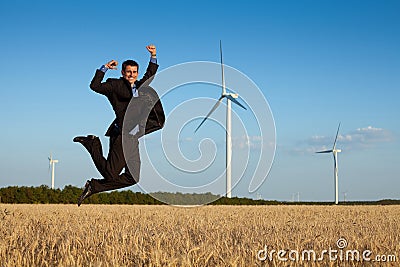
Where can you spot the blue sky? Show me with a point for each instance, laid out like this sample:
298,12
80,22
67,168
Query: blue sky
317,63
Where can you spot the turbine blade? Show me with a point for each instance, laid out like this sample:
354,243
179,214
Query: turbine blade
337,133
50,160
334,161
235,101
222,69
211,111
325,151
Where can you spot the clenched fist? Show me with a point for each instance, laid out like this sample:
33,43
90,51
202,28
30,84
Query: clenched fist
112,65
152,49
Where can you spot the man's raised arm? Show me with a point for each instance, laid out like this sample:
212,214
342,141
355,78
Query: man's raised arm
96,83
152,67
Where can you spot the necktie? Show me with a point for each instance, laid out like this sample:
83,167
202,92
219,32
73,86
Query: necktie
135,93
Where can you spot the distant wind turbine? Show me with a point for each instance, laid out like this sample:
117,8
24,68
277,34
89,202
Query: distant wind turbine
344,196
334,151
229,97
52,163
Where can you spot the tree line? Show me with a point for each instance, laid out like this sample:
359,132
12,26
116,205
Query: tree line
69,195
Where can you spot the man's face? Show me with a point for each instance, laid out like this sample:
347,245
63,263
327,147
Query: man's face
130,73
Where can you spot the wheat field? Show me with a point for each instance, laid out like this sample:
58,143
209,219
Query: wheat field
122,235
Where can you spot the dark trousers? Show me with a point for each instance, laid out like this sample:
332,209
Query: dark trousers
111,167
120,155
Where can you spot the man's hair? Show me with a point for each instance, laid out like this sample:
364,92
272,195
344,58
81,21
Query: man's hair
130,62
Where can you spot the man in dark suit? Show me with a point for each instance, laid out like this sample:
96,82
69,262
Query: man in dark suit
139,103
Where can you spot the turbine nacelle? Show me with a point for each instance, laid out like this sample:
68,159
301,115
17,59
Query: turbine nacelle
51,160
231,94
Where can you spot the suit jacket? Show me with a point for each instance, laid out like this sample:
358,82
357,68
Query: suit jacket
119,93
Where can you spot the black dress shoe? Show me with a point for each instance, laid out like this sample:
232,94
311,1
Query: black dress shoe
84,139
87,192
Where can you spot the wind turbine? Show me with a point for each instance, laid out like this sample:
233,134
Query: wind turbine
334,151
229,97
52,163
344,196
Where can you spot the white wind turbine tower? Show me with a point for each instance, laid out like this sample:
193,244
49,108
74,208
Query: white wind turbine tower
52,163
334,151
229,97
